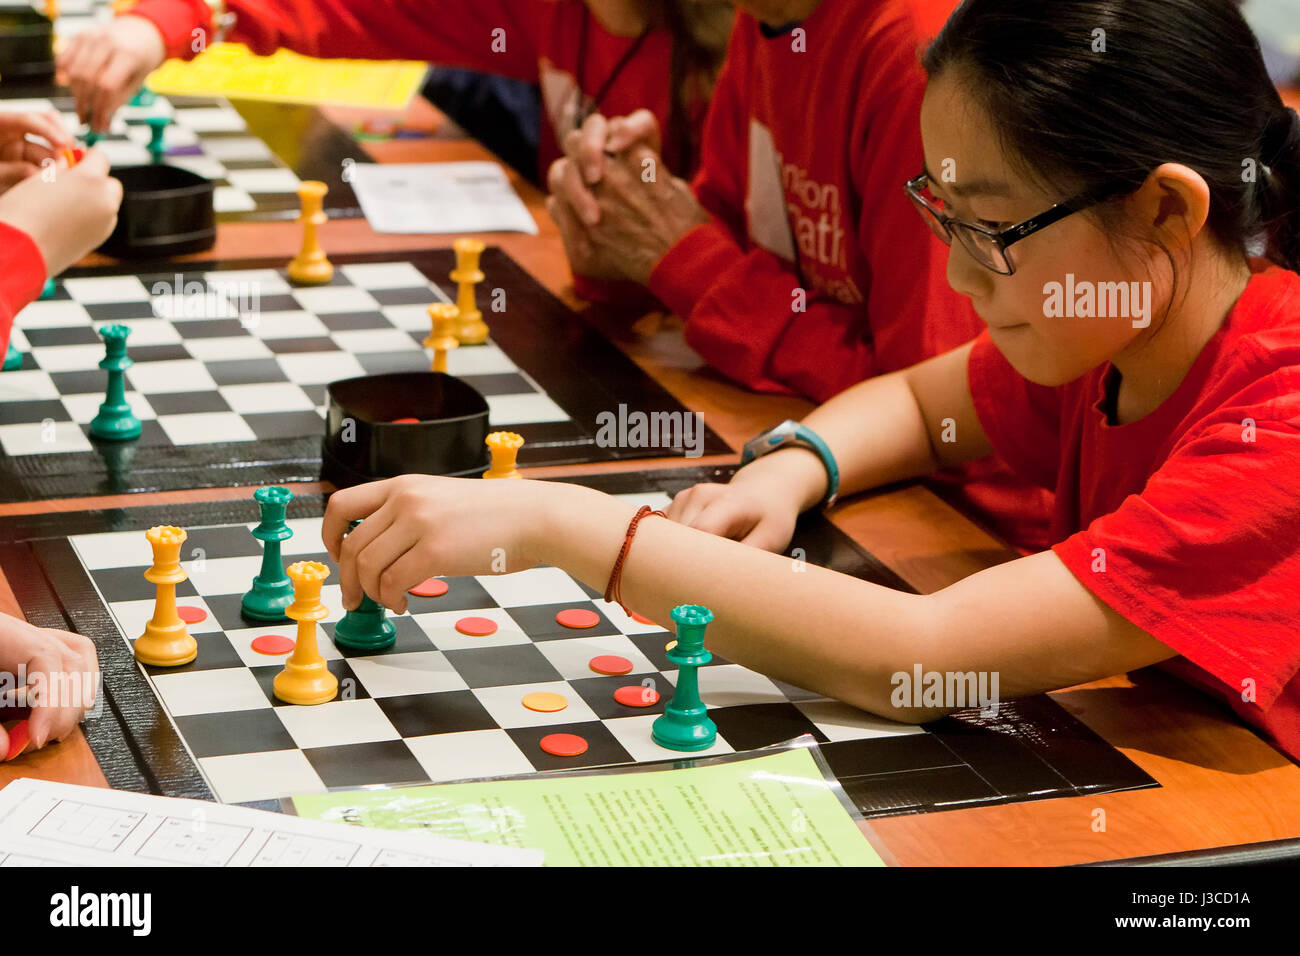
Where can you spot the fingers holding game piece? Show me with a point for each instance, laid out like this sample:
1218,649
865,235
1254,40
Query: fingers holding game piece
105,66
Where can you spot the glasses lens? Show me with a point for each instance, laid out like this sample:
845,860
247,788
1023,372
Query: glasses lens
937,226
983,248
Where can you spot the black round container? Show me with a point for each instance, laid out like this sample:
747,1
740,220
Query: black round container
448,439
26,45
166,211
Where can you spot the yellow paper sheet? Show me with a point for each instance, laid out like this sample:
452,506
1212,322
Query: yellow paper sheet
230,70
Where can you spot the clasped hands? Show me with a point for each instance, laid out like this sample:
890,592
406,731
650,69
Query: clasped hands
619,209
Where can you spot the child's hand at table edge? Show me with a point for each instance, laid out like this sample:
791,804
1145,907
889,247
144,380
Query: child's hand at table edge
418,526
57,704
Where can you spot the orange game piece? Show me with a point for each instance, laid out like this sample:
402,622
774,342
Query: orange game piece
611,664
191,614
476,626
272,644
406,421
637,695
20,737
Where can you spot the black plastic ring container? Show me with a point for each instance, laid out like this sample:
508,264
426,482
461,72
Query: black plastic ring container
166,211
447,440
26,45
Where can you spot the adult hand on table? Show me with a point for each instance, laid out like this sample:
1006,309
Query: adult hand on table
59,671
641,212
104,67
19,156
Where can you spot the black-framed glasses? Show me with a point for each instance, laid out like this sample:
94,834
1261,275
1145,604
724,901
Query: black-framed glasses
989,246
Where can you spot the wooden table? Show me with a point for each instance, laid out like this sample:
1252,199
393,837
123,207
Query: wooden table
1220,784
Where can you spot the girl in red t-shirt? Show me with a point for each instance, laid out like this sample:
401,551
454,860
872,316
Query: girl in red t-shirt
1106,194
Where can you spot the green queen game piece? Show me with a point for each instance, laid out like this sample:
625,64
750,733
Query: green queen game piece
685,724
366,628
272,589
115,421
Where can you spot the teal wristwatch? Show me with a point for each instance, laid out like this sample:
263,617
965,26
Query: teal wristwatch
790,432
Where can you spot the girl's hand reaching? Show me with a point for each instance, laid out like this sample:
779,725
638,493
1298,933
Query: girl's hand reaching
19,156
68,672
418,526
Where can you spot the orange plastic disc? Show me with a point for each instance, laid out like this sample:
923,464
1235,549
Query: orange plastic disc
191,614
563,745
578,617
272,644
610,664
429,587
476,626
637,695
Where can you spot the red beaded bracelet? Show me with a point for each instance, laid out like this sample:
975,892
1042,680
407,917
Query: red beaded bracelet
615,575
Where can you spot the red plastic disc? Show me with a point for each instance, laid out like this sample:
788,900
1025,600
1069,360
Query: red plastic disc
191,614
272,644
406,421
578,618
641,619
476,626
429,587
563,745
20,737
610,664
637,695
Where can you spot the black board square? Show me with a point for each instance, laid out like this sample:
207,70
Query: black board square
448,712
354,765
1003,761
382,363
354,321
62,335
598,692
499,666
294,424
235,732
90,381
246,371
227,541
151,436
880,755
410,296
183,403
350,688
128,584
602,747
119,311
23,413
315,343
538,621
408,637
463,594
655,647
215,653
210,329
316,393
225,608
751,726
277,302
503,383
173,352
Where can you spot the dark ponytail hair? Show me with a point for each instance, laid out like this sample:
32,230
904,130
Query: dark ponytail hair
1087,94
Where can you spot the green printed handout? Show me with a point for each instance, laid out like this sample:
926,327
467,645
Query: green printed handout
773,810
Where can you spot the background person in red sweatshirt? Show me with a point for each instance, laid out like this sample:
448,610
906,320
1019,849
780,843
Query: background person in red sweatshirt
50,216
586,55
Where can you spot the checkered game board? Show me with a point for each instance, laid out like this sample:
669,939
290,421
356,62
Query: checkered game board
441,705
232,372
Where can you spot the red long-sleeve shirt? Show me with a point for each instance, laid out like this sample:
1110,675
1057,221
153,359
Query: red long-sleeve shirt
22,273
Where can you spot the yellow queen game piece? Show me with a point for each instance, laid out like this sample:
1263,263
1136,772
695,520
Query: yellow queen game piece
305,678
504,447
165,641
471,329
442,335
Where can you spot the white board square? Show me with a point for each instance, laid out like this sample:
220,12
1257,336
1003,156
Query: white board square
227,349
337,723
230,199
505,705
287,325
278,180
241,778
365,341
210,692
145,332
242,641
468,754
53,314
107,289
204,166
265,281
572,657
320,368
414,672
534,586
385,275
266,397
411,318
37,438
514,409
635,736
113,549
83,408
730,685
26,384
132,616
124,152
486,359
238,149
201,428
221,575
177,375
624,622
211,119
191,306
68,358
335,298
